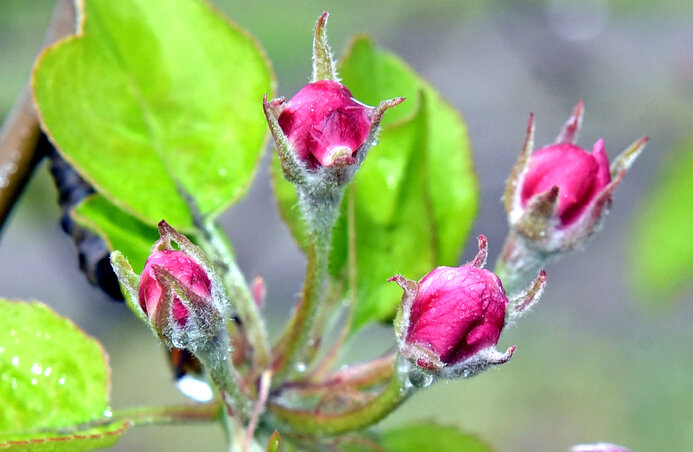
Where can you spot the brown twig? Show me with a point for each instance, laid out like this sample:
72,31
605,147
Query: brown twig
20,133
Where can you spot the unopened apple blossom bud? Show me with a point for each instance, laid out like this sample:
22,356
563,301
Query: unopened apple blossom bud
556,197
184,302
325,124
579,175
179,266
322,135
178,294
450,321
258,290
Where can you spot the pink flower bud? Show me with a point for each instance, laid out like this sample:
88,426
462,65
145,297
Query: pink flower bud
457,312
579,175
325,124
185,270
451,320
556,197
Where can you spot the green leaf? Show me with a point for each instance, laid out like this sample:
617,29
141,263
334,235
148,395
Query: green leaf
372,75
431,436
661,249
53,378
416,438
413,200
155,97
83,439
120,230
275,442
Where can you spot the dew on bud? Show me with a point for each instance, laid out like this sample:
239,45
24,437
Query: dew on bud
420,379
195,389
301,367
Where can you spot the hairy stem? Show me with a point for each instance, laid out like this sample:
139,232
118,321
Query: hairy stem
359,376
518,264
319,205
302,421
241,298
215,357
301,325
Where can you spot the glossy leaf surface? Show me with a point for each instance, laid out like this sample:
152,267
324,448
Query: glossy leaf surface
155,102
53,379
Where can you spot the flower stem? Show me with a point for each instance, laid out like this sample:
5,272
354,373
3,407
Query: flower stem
302,322
359,376
302,421
518,264
215,357
242,300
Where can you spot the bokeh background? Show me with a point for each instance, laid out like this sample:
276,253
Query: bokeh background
592,364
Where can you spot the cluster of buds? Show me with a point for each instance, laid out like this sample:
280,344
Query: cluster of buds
450,321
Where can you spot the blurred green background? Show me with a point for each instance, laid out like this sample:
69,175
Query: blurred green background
592,364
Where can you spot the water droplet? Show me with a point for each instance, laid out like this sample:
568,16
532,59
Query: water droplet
420,379
61,381
15,360
300,367
195,388
47,372
375,142
36,369
34,382
13,383
107,413
466,373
